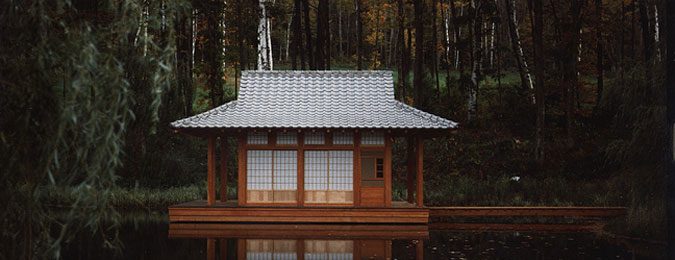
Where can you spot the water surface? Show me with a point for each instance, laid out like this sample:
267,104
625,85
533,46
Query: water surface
156,240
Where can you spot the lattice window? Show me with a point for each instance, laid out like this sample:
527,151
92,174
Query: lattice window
257,138
288,138
316,170
315,138
372,138
285,170
343,138
259,170
341,170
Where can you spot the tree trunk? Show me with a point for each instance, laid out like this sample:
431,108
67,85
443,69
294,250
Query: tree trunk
359,34
184,61
648,50
525,79
476,56
288,39
599,39
297,36
419,54
446,29
213,52
456,35
340,52
402,66
264,39
408,60
321,32
537,39
308,36
670,90
570,61
434,42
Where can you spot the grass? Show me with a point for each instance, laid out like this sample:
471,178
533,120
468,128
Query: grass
136,199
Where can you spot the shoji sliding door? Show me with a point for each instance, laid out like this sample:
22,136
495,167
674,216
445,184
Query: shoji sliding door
329,177
271,176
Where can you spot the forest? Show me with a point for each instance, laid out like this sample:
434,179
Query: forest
559,102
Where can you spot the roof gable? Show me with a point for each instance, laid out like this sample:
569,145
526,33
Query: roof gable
315,99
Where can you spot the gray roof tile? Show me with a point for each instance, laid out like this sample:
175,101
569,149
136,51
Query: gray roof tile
316,99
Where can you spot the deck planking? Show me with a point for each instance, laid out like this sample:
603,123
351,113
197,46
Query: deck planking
198,211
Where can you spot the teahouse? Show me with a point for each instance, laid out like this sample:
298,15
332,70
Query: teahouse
312,146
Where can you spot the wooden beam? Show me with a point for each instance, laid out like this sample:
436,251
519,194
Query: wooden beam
410,174
241,170
224,154
387,170
420,171
211,172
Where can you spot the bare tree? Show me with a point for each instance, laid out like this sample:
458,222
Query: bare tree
358,5
402,62
296,24
322,29
265,58
525,78
537,39
476,57
308,36
418,83
599,51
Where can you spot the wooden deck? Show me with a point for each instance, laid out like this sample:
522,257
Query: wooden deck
198,211
300,231
572,212
399,213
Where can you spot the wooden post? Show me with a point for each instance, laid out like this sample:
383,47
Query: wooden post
211,248
223,168
387,170
241,170
223,248
419,249
357,169
420,174
410,175
211,172
301,170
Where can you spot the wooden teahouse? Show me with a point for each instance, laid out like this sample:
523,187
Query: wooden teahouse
314,147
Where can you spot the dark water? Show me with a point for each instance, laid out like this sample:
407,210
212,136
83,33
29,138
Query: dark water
151,240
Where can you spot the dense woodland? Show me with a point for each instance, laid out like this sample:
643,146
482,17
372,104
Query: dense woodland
568,95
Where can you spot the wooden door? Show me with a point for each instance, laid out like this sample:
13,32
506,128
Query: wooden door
372,179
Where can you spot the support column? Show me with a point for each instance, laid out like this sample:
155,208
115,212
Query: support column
420,169
410,174
211,172
211,248
224,154
241,170
387,170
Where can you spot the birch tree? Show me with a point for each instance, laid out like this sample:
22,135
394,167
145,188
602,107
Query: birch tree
521,62
265,59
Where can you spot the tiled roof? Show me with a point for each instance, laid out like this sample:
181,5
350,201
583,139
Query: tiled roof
316,99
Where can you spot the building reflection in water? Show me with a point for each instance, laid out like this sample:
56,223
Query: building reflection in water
335,242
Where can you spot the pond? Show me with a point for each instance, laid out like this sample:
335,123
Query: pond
161,240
